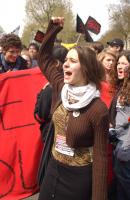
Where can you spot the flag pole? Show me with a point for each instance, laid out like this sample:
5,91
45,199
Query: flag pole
78,38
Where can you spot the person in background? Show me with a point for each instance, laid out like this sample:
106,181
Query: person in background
116,45
10,59
77,168
24,50
120,126
108,59
33,50
28,59
96,46
26,56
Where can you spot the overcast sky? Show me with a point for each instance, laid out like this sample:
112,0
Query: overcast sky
12,12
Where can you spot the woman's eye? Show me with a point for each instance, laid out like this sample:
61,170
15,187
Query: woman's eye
73,60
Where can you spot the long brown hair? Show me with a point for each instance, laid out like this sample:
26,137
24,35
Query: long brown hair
124,94
92,69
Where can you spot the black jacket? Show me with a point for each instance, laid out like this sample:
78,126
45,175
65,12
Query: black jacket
42,111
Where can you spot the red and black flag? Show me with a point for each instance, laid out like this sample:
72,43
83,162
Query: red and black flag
39,36
80,27
92,25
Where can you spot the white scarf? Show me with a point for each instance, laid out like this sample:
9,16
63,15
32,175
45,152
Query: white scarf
82,96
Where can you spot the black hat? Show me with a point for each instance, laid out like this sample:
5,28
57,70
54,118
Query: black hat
116,42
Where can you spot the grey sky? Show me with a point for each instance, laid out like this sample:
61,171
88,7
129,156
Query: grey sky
13,15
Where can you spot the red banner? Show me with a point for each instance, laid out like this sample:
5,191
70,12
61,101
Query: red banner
20,141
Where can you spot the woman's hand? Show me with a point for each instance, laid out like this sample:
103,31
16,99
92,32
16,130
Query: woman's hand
58,20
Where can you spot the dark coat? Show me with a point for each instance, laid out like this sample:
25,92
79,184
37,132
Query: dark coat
42,111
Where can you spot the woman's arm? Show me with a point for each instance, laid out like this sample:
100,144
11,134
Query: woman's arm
46,61
100,156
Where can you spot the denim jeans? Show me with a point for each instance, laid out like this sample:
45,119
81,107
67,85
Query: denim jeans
122,172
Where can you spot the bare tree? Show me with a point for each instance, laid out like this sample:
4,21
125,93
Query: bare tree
120,18
39,12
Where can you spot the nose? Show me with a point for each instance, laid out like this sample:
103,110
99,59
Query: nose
119,66
66,64
111,62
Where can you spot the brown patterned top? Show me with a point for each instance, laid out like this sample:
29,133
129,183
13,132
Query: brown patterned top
82,156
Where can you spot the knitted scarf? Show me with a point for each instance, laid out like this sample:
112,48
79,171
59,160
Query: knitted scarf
75,98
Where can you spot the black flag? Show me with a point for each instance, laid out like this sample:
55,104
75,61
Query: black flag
88,37
80,27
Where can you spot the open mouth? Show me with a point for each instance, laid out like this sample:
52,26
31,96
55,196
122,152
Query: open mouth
67,73
121,73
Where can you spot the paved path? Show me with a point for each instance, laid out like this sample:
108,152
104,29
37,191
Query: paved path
33,197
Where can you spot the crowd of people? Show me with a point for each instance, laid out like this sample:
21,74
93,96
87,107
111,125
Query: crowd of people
83,114
83,147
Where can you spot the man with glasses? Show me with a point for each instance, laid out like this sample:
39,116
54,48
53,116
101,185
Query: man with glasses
10,59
